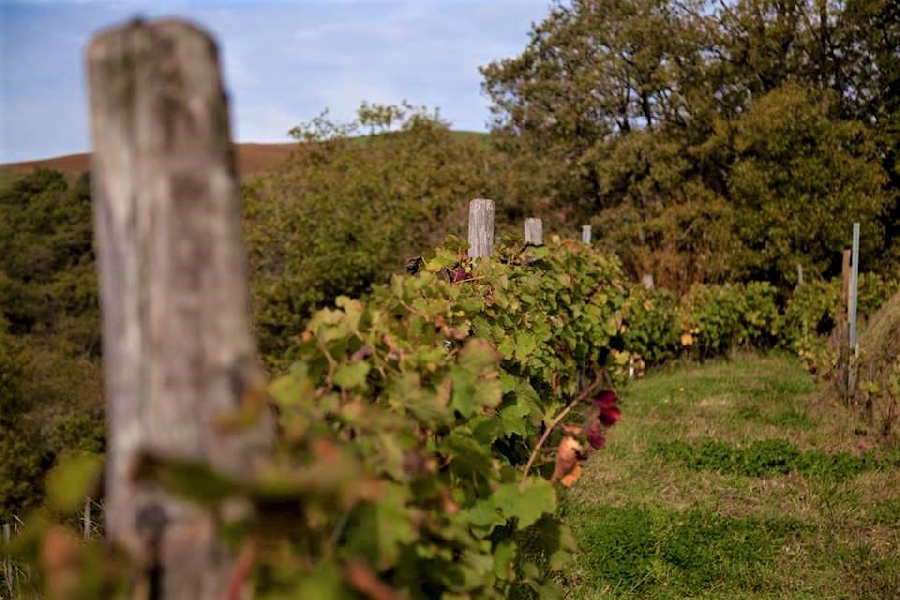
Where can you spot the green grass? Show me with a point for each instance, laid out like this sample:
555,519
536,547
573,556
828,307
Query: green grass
736,479
772,457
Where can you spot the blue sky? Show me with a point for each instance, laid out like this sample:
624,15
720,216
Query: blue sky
285,61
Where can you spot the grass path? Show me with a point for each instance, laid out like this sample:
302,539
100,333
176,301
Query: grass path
736,479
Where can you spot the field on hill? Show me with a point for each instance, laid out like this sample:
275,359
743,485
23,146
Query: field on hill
736,479
252,159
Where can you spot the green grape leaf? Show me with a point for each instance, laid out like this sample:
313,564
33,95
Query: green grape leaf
514,418
351,376
537,499
378,530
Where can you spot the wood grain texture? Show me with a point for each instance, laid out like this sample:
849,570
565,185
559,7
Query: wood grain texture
178,347
481,227
534,231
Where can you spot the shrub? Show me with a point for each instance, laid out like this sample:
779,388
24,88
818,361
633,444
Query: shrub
346,212
711,318
761,320
812,310
653,328
427,432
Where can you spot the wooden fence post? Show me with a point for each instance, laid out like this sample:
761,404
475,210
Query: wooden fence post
86,519
845,299
586,234
854,285
852,349
843,327
481,227
9,573
799,274
534,231
178,349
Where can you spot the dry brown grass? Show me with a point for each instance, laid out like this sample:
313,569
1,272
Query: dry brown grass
252,160
876,394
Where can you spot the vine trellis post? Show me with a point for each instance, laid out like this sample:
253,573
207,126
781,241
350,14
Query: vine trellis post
534,231
178,348
481,228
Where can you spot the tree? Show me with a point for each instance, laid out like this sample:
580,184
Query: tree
50,392
595,72
21,467
347,211
800,180
767,110
48,285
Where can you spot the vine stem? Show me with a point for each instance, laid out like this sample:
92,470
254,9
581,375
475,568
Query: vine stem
562,415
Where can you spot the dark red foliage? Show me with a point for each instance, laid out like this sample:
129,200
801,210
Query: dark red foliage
605,415
606,399
594,436
458,274
609,413
609,416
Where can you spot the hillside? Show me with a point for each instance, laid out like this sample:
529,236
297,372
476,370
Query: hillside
252,160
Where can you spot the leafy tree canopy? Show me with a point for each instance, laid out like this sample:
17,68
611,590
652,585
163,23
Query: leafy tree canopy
786,111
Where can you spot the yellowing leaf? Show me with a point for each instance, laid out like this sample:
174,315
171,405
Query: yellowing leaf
572,476
567,454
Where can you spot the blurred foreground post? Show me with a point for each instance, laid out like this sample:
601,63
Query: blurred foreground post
481,227
534,231
586,234
178,349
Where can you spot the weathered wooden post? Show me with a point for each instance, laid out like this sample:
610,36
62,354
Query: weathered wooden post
843,325
853,350
799,274
86,519
534,231
854,288
481,227
8,571
586,234
178,349
845,288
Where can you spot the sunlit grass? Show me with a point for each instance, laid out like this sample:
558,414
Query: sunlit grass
651,526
